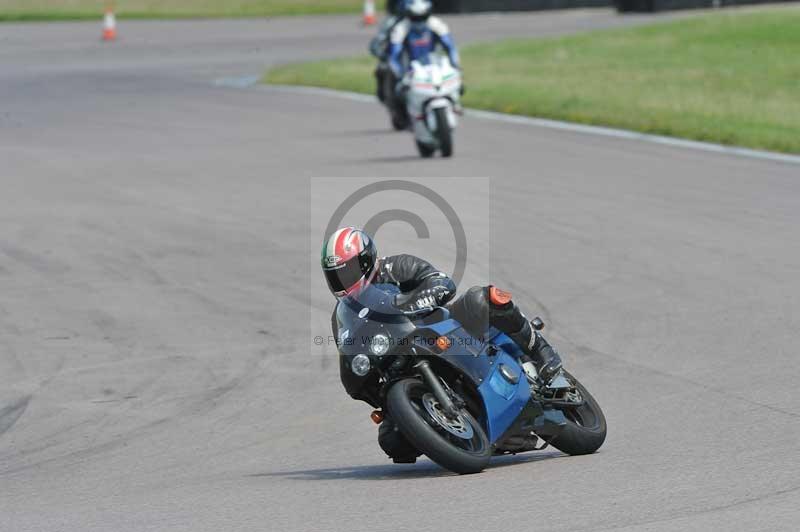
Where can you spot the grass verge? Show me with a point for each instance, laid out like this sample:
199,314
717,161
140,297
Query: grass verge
29,10
727,77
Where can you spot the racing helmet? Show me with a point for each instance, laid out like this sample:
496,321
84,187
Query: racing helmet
349,260
418,11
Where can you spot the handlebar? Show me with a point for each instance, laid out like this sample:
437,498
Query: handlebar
401,300
420,311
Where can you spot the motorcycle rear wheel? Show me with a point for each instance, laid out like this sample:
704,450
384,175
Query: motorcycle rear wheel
397,110
458,445
399,121
585,430
425,150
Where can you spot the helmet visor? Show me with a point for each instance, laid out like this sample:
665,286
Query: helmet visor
343,277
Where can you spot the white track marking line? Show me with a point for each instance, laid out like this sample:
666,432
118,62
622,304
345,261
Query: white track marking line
320,91
243,82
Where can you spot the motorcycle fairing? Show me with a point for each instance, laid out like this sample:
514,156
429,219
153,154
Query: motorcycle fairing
503,400
363,317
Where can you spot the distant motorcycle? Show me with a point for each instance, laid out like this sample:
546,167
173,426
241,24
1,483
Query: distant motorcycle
384,79
455,398
433,101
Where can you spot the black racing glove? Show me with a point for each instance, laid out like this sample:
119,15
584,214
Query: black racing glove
428,297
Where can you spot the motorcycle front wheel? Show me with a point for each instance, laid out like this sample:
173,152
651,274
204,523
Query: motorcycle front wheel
458,444
443,133
585,430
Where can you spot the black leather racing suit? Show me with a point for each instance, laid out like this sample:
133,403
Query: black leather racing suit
423,285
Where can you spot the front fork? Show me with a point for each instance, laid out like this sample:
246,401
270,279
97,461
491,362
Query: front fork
430,115
436,387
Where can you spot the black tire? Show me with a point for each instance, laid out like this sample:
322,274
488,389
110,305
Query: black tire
397,110
379,86
425,150
462,456
443,132
399,122
585,431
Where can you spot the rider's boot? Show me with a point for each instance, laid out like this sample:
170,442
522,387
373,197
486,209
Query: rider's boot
507,317
394,444
533,344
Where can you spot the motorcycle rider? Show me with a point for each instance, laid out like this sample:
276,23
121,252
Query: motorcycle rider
379,45
418,35
414,38
350,262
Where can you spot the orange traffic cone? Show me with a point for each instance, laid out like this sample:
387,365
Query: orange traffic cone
369,13
109,25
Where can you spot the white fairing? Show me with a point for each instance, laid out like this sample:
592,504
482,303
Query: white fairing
431,87
439,103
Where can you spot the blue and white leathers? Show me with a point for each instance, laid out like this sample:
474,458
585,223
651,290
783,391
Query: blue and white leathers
417,41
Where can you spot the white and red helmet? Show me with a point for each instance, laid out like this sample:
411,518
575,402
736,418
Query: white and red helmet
349,259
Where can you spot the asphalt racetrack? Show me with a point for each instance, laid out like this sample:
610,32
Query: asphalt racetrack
154,299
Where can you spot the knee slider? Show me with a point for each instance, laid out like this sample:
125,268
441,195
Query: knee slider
505,315
499,298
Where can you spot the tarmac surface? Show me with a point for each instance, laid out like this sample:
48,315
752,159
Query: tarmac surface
157,298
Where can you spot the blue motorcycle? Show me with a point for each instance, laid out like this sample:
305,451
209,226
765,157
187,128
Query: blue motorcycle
457,399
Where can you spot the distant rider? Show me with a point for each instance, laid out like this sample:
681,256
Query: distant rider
417,36
379,45
414,35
